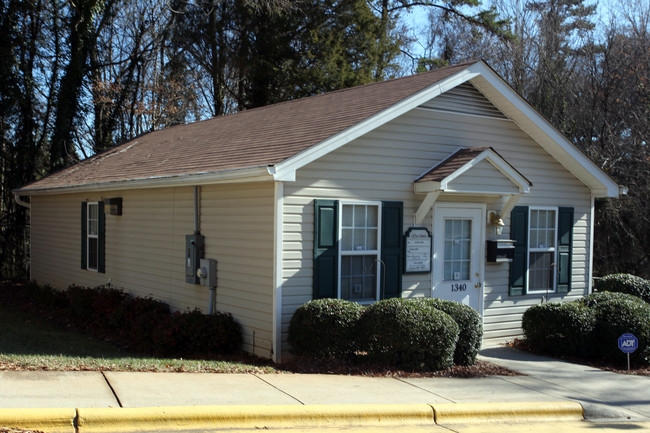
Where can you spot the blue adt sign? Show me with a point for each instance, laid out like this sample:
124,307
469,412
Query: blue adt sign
628,343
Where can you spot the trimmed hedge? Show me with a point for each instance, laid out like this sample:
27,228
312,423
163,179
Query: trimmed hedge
589,328
142,324
616,314
560,328
625,283
409,334
470,328
325,328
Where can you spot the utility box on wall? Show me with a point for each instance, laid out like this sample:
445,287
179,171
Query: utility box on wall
194,247
208,272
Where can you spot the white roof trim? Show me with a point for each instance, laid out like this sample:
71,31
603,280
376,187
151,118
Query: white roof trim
540,130
227,176
513,105
519,181
285,170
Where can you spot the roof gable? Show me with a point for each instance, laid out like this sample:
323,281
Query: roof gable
473,170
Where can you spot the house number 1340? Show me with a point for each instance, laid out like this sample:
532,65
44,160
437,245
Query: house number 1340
458,287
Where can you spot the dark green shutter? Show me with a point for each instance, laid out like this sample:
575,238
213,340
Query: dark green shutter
325,249
101,238
564,241
519,264
84,235
391,249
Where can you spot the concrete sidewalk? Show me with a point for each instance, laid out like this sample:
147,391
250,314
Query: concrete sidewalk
603,395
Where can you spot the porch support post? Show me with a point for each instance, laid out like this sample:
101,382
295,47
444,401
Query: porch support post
426,206
510,204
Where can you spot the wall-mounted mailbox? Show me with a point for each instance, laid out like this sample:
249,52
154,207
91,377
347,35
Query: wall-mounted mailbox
500,250
193,254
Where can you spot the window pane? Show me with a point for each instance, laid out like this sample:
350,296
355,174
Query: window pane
346,239
359,240
359,216
371,239
92,253
541,271
372,218
457,249
359,277
347,216
93,219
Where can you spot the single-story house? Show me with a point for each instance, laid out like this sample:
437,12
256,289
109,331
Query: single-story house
444,184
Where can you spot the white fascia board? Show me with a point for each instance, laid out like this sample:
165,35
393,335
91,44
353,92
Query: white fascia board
497,162
549,138
286,170
253,174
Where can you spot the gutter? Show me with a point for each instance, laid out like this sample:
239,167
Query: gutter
251,174
21,202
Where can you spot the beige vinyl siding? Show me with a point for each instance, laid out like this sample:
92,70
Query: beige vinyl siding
485,178
145,249
383,164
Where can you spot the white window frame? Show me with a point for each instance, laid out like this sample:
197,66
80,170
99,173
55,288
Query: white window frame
377,252
90,236
553,250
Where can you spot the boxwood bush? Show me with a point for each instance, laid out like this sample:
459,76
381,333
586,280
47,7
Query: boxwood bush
616,314
408,334
470,328
625,283
325,328
589,328
560,328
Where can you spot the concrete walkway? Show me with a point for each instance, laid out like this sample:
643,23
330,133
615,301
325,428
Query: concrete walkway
603,395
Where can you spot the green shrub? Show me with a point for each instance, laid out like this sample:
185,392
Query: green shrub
617,314
193,334
325,328
560,328
408,334
81,301
625,283
139,318
470,325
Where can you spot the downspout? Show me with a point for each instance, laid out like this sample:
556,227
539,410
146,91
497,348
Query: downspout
21,202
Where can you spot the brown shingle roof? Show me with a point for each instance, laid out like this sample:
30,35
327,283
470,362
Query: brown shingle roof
253,138
458,159
455,161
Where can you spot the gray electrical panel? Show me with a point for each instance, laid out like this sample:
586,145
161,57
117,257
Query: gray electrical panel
194,247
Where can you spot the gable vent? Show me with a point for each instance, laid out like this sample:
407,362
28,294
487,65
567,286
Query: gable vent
465,99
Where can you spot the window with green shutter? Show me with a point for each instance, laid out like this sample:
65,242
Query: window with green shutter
93,236
542,258
357,250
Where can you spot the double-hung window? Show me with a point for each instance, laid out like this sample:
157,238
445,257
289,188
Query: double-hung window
543,249
358,251
93,236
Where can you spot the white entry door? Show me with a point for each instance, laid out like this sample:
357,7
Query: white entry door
457,254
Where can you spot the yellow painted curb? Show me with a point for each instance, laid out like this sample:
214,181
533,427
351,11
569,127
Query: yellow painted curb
49,420
469,413
203,417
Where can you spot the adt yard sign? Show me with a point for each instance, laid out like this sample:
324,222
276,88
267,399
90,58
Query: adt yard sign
628,343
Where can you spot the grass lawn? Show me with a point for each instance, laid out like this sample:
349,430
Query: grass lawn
29,343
